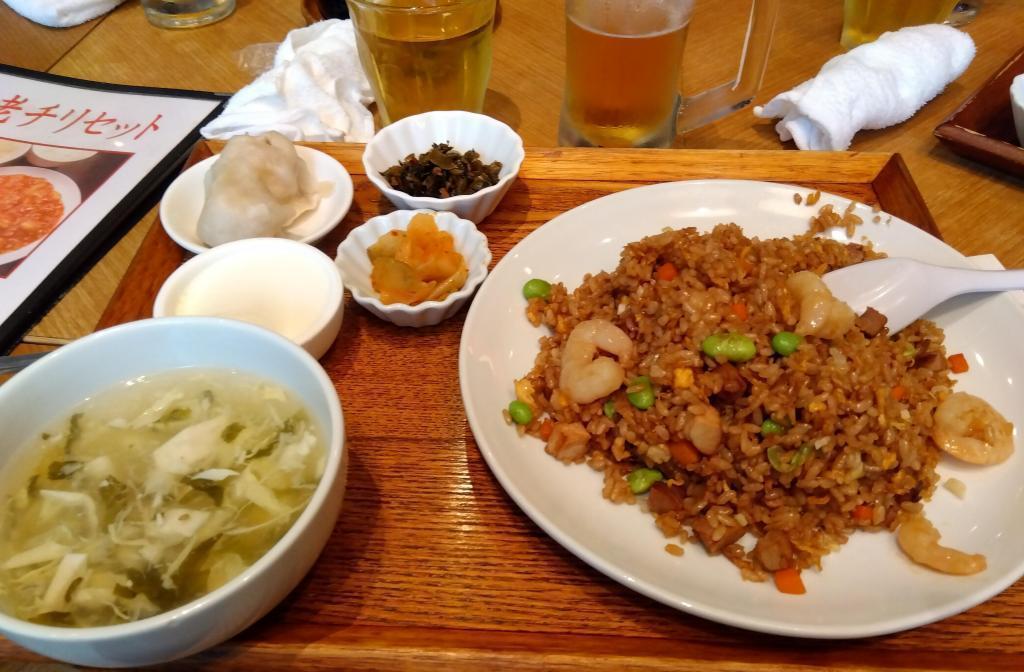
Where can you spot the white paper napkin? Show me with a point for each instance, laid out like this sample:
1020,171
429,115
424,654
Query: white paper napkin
878,84
62,13
316,90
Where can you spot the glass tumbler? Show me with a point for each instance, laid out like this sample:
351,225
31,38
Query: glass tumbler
186,13
423,55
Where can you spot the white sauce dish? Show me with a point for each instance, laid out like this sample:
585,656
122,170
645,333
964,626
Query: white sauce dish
287,287
47,156
184,199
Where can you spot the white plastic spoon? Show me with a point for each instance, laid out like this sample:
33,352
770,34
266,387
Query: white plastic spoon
904,289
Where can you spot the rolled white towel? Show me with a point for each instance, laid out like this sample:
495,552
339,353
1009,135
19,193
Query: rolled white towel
62,13
316,90
875,85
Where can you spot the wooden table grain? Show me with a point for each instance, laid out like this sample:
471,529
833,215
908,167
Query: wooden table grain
418,582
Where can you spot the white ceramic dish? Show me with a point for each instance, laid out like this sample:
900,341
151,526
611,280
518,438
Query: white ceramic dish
48,389
65,187
12,150
493,140
46,156
867,587
282,285
183,201
355,267
1017,102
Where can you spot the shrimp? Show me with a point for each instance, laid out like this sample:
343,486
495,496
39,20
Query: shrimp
704,428
821,314
586,377
969,429
568,441
919,539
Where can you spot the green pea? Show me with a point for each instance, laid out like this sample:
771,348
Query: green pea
642,396
537,289
734,347
785,343
769,426
609,409
521,413
641,480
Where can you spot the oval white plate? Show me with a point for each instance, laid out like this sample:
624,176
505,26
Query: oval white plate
867,587
65,187
184,199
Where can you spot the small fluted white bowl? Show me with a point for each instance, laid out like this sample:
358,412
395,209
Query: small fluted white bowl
493,140
355,267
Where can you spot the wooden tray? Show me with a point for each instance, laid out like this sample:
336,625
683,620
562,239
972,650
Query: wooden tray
982,128
432,566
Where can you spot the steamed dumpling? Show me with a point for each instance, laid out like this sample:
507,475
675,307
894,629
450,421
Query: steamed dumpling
256,187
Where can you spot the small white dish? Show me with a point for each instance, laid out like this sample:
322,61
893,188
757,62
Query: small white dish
1017,102
282,285
493,140
47,156
49,388
355,267
70,197
12,150
184,199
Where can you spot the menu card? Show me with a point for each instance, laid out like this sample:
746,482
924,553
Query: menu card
77,159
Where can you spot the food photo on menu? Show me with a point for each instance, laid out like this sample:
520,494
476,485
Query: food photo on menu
427,348
40,187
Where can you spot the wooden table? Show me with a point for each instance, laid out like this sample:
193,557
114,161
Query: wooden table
976,209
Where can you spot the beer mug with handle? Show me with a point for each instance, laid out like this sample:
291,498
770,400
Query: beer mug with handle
623,59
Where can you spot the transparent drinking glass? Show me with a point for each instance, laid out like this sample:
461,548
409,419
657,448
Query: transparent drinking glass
186,13
623,62
421,56
865,20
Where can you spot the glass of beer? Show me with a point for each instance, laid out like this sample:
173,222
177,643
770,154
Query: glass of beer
623,62
186,13
865,20
423,55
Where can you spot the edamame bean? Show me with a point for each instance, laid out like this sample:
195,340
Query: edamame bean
734,347
537,289
609,409
641,480
642,396
785,343
521,413
769,426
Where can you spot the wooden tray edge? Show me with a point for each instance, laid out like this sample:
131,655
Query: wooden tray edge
898,195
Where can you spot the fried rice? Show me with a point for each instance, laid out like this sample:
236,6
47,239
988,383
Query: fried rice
857,409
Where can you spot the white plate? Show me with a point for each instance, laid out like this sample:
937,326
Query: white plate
184,199
867,587
65,187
